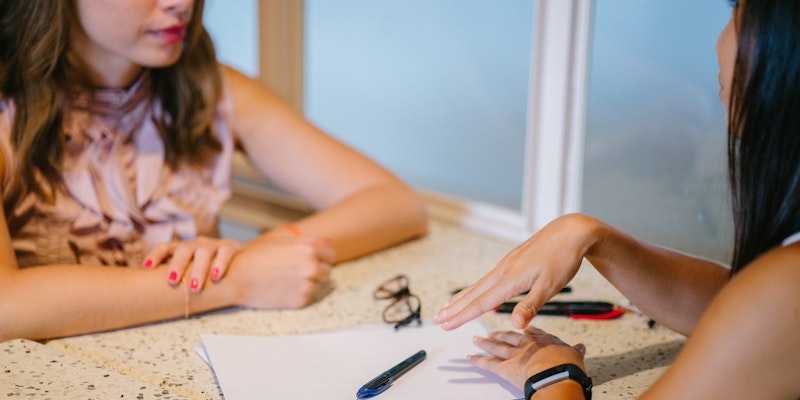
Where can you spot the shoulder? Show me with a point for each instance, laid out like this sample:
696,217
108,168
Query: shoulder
237,84
759,316
246,92
255,108
747,337
767,293
775,275
236,99
232,76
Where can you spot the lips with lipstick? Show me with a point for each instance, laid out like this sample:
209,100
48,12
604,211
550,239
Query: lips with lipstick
173,34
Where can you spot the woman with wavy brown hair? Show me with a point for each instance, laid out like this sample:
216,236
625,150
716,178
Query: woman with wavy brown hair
743,322
118,129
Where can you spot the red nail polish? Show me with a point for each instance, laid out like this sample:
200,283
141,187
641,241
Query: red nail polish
173,276
215,273
194,284
148,263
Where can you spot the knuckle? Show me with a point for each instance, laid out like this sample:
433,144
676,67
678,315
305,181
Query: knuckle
529,307
161,247
302,300
203,252
310,270
230,243
183,248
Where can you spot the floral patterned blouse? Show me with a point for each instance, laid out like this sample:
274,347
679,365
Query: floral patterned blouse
119,198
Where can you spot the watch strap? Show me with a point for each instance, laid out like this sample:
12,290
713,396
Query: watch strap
557,374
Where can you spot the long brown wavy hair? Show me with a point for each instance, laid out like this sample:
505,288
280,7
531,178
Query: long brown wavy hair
35,68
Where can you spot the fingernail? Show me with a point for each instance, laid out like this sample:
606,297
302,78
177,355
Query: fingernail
194,284
215,273
148,263
173,276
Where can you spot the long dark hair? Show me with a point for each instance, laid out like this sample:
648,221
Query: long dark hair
764,128
35,68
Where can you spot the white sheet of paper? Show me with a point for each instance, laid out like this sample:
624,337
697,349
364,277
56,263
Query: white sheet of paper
333,365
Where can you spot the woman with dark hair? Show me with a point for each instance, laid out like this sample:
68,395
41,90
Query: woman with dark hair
118,129
744,322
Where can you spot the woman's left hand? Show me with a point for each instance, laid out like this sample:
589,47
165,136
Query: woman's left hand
516,356
194,260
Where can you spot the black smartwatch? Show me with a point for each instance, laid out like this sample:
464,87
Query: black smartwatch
557,374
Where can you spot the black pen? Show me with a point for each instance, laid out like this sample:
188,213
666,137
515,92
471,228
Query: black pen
382,382
565,289
575,309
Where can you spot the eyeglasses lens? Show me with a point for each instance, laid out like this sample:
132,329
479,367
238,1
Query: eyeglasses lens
405,308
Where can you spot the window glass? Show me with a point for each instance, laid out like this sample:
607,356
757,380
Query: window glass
233,25
434,90
655,150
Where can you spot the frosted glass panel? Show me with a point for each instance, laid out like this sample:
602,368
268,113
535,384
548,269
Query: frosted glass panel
434,90
655,137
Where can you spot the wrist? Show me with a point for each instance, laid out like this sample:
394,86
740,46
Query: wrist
585,232
563,390
290,229
552,383
592,233
232,289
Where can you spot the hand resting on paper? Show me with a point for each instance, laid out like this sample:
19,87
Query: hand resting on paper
516,356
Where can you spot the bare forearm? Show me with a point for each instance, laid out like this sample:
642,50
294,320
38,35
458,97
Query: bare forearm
63,300
369,221
670,287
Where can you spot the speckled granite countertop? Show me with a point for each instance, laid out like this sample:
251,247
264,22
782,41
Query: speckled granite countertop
158,361
33,370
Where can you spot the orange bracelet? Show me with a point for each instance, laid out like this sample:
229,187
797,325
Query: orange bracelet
291,229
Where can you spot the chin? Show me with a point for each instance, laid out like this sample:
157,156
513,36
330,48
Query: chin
161,60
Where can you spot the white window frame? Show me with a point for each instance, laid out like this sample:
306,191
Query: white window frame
556,117
555,120
554,133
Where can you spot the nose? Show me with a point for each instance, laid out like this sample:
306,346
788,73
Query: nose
177,7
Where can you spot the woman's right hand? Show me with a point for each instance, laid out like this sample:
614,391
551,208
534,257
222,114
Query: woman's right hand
281,270
517,356
542,265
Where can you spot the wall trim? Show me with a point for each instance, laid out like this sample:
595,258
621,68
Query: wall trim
480,217
254,204
280,41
